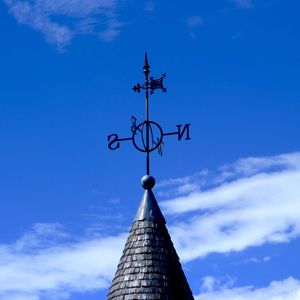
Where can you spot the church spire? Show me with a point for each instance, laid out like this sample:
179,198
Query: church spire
149,268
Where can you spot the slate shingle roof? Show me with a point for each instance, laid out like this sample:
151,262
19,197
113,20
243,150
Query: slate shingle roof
149,267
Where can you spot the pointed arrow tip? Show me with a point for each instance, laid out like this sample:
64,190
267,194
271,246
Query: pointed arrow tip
146,64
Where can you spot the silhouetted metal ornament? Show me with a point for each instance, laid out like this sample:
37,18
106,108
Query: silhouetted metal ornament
148,135
157,84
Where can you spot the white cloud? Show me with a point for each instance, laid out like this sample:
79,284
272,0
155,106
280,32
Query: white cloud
288,289
258,260
183,185
193,22
61,20
249,203
243,3
31,269
150,6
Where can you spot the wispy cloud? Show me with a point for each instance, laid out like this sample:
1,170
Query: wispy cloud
41,266
243,3
150,6
249,203
192,23
288,289
61,20
258,260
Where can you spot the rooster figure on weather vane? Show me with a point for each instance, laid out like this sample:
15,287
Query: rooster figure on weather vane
148,135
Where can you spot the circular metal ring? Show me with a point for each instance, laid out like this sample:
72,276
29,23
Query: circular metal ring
140,128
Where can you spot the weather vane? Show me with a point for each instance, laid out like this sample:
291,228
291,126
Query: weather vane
148,135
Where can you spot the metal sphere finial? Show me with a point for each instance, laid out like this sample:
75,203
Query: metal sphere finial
148,182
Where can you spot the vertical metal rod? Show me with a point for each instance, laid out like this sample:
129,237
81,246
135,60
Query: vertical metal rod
146,72
147,135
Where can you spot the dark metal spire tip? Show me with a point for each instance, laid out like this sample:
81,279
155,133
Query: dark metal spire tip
149,209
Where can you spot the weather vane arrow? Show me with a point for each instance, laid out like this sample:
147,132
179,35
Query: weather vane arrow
148,135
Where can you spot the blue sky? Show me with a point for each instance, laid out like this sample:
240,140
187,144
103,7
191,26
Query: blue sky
230,196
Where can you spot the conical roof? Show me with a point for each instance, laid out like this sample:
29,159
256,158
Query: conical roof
149,267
